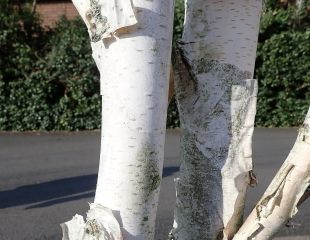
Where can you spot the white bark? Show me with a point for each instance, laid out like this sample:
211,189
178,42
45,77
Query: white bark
134,64
104,18
279,202
100,225
217,101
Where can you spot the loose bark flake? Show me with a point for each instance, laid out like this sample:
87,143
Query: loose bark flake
280,201
98,23
100,225
105,18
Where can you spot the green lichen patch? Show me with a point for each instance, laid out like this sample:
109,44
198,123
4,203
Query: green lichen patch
229,72
218,106
92,228
203,65
98,23
146,180
196,188
147,163
154,49
214,78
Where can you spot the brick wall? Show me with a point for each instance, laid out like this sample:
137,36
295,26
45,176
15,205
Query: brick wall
51,11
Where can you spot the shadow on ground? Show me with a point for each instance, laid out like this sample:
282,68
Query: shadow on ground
55,192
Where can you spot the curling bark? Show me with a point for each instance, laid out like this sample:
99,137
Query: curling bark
216,96
279,203
131,43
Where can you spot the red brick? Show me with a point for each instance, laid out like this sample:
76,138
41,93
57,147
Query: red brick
50,12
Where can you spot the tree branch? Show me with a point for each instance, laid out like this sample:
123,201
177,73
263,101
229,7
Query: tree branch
288,190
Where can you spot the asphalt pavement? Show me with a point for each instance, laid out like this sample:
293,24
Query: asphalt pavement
46,178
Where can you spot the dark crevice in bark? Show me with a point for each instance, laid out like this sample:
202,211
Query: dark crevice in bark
304,197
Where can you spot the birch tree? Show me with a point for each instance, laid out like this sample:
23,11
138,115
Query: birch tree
131,44
216,97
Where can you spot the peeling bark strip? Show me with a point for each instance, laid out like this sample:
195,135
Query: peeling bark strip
134,70
279,202
217,102
98,23
104,17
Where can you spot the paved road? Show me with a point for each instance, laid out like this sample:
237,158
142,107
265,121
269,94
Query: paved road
45,178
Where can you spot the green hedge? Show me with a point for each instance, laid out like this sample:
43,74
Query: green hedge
282,66
284,79
48,80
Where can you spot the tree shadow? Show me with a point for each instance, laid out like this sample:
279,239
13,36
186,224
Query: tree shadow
57,191
168,171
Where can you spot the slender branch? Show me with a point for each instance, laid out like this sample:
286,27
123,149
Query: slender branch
288,190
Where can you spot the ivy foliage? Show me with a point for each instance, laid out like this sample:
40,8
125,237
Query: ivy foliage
173,120
48,80
282,64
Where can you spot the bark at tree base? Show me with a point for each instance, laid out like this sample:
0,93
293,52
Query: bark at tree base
100,225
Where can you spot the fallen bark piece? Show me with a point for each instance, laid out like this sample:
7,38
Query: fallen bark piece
100,225
279,202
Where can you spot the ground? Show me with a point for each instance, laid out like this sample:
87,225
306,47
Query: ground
45,178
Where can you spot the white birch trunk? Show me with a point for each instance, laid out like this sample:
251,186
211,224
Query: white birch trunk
279,202
216,96
134,66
